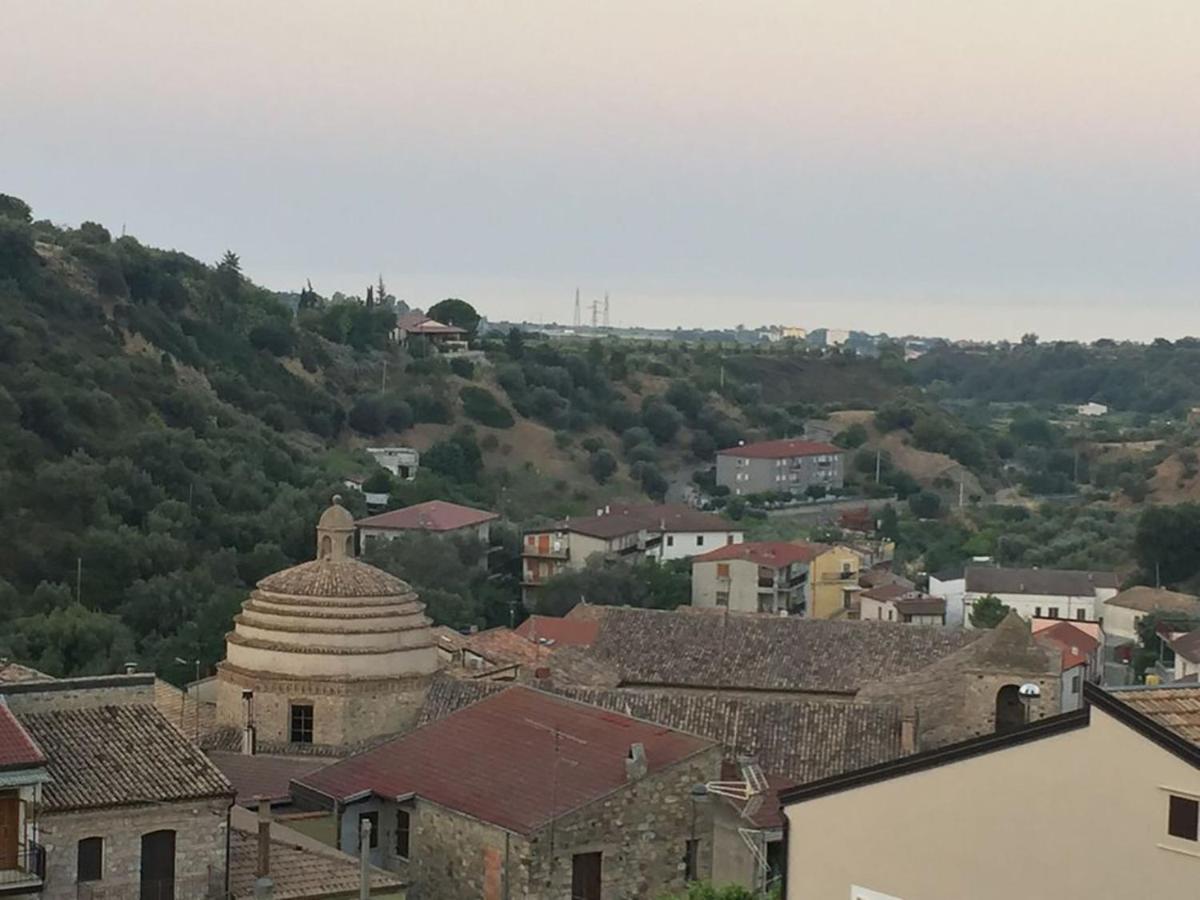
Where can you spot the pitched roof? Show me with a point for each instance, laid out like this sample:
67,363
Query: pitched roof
797,739
434,515
184,710
301,868
1173,706
922,605
1068,634
659,518
774,554
1149,599
781,449
559,632
1051,582
11,672
419,323
887,593
118,756
758,652
1187,645
261,776
336,578
497,759
18,750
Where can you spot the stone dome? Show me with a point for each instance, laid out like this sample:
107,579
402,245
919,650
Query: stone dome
336,578
336,518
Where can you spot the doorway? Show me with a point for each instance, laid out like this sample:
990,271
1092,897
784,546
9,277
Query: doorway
1010,711
585,876
158,866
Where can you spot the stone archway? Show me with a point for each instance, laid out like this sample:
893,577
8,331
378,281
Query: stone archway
1010,711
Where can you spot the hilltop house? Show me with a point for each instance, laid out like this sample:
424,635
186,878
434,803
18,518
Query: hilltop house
443,337
1029,813
1041,593
896,602
658,532
543,795
791,465
432,517
402,462
1123,611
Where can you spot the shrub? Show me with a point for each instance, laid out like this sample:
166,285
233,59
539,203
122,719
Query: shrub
591,444
428,408
602,465
462,367
274,336
482,406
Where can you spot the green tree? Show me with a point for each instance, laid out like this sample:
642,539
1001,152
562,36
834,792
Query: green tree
988,612
925,505
453,311
15,208
481,405
602,465
514,343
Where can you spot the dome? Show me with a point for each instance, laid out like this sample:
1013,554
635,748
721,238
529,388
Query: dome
336,518
334,579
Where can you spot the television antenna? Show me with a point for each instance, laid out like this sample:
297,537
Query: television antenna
748,794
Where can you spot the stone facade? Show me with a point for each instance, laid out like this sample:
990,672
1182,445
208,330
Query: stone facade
641,831
200,839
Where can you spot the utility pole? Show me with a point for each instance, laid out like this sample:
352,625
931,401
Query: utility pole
962,484
606,309
578,319
364,858
878,460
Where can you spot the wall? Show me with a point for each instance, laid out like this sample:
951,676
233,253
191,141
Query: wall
1027,605
742,584
733,863
1120,623
1062,826
200,848
826,586
685,544
79,693
952,590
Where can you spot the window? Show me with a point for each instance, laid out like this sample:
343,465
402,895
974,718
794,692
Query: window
728,539
1183,818
722,570
1081,615
301,731
1037,612
670,540
89,859
1052,612
699,540
891,615
373,818
403,828
1075,685
691,861
722,598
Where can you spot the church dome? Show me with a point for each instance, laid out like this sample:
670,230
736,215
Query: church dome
333,579
336,518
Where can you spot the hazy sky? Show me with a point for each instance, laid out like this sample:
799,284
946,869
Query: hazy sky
957,167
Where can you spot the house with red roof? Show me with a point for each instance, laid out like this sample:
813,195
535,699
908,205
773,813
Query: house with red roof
758,576
792,465
544,795
439,335
433,517
897,602
22,774
1081,662
552,631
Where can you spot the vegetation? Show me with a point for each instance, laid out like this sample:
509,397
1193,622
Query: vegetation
645,583
987,612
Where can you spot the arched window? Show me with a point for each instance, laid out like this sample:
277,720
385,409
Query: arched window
89,859
326,547
158,866
349,545
1010,711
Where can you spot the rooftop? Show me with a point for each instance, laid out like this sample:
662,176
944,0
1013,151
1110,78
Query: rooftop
1187,645
781,449
17,748
751,651
1050,582
493,760
419,323
921,605
261,776
101,756
1149,599
11,672
774,554
1175,707
434,515
576,632
615,521
335,578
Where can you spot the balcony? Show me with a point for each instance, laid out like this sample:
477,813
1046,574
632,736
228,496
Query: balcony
27,870
547,551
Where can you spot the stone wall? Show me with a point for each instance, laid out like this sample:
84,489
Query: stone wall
33,697
200,849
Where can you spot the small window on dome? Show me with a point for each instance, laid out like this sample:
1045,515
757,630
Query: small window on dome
326,546
349,545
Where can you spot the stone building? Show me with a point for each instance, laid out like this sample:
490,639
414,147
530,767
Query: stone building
528,796
127,806
326,654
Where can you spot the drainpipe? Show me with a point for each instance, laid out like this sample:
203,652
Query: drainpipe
364,858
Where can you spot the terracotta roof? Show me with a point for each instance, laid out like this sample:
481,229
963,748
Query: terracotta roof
18,750
800,740
261,776
781,449
118,756
183,710
435,515
419,323
1051,582
11,672
757,652
502,644
1067,634
775,554
1091,629
335,578
494,760
1148,599
1173,706
888,592
576,632
921,605
300,869
621,520
1187,645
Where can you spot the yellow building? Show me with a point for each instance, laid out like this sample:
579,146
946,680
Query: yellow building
833,582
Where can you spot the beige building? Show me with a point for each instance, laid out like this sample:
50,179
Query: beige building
325,654
1122,611
1035,814
898,603
755,576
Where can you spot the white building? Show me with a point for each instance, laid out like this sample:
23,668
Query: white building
1041,593
402,462
951,586
1123,611
1092,409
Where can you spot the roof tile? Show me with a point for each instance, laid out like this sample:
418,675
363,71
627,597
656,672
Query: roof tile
781,449
434,515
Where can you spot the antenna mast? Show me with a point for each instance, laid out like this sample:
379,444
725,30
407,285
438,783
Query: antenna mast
606,319
578,320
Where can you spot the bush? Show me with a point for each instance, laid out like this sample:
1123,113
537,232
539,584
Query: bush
428,408
274,336
925,505
482,406
462,367
602,465
591,444
853,437
562,440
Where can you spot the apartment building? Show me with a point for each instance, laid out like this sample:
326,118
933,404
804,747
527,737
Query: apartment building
791,465
757,576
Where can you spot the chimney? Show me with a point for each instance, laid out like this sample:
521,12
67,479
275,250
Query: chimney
264,837
908,730
635,762
264,889
248,738
130,668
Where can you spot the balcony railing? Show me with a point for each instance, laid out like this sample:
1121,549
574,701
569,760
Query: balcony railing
30,868
551,552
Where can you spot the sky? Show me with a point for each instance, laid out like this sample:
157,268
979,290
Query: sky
967,169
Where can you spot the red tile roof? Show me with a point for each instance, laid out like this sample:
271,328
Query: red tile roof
17,749
433,515
576,632
782,449
496,759
419,323
775,554
655,518
1075,644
